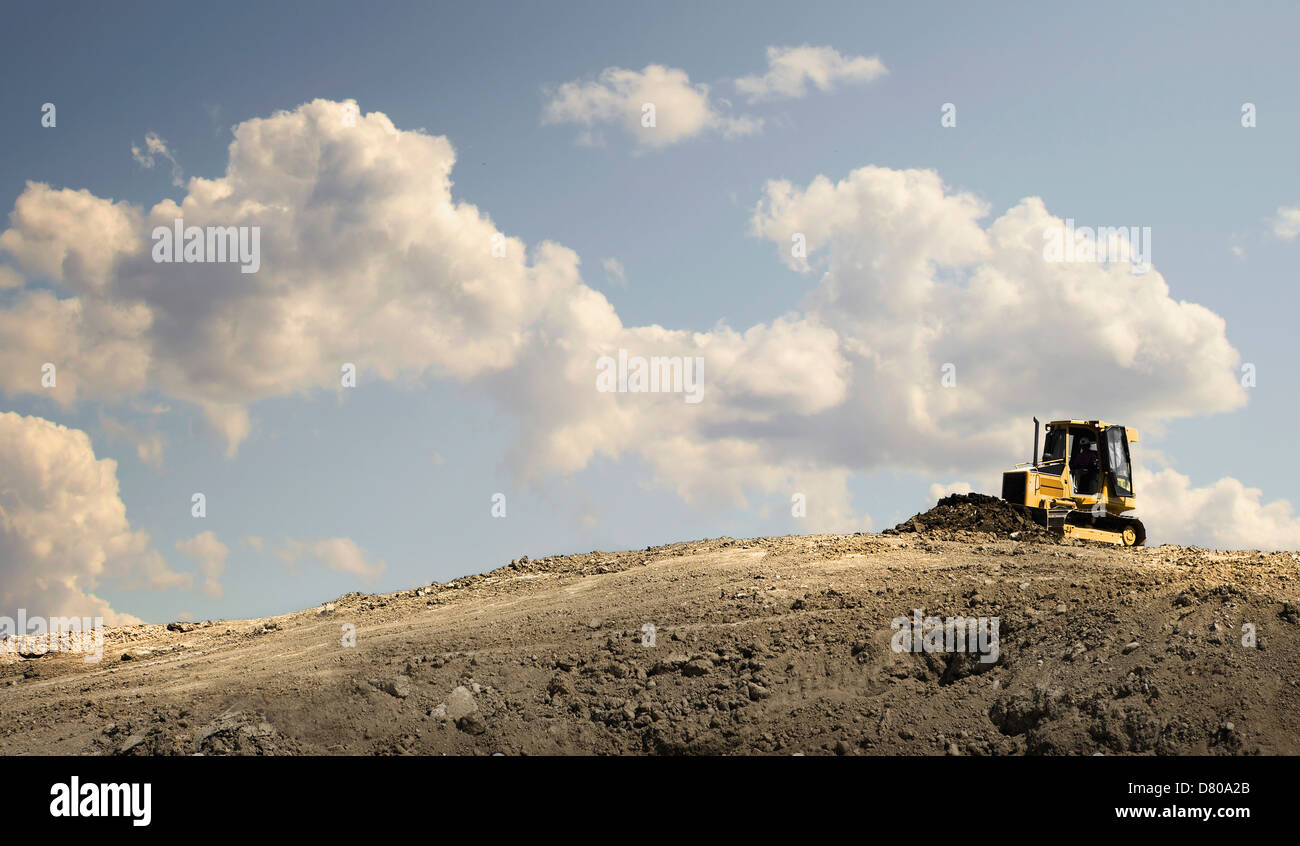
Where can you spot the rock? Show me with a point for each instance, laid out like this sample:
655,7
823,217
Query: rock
559,685
471,723
181,626
399,686
1130,646
226,721
134,740
460,704
757,691
697,667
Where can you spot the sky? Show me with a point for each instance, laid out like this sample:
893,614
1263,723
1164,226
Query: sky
466,203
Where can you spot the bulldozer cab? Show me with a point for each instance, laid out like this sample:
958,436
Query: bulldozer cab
1098,465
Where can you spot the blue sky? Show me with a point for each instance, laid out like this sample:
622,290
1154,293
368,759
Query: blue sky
1126,116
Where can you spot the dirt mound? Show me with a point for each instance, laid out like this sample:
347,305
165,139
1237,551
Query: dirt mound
724,646
972,512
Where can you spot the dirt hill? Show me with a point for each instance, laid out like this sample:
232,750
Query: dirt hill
772,645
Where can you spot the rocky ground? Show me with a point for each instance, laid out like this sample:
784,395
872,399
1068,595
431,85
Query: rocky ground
772,645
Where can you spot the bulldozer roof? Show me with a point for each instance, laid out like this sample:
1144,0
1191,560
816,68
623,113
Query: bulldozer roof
1100,425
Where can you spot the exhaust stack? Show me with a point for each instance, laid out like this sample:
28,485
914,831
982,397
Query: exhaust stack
1033,459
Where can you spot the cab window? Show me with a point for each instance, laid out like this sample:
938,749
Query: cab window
1053,462
1085,461
1121,473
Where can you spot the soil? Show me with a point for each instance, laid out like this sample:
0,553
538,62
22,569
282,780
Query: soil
973,512
763,646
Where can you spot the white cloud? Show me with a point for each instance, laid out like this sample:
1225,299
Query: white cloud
617,97
71,236
912,282
1286,225
790,70
614,272
156,148
211,555
365,259
341,555
368,259
1222,515
63,527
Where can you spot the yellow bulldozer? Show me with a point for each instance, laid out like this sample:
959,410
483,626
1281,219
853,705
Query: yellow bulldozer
1082,484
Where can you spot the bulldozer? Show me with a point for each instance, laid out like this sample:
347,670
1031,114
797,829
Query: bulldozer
1082,484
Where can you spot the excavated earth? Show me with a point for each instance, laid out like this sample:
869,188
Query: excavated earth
764,646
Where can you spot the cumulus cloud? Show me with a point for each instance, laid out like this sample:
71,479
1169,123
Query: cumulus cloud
619,98
791,70
341,555
63,527
1286,224
71,236
211,555
1223,515
366,258
915,287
